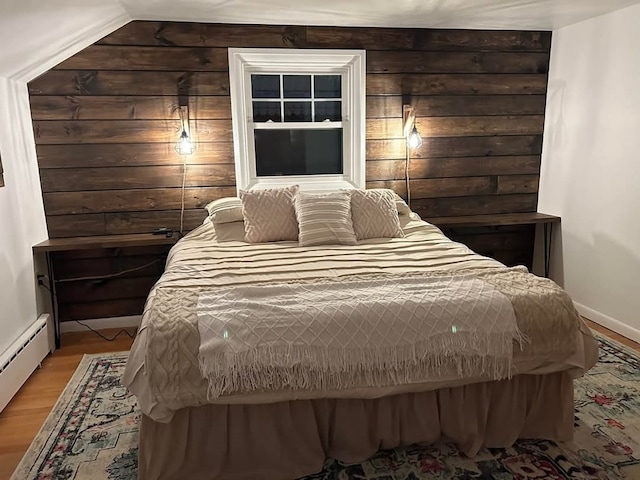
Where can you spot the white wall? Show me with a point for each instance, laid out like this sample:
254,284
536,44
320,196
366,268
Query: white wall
22,222
36,34
591,166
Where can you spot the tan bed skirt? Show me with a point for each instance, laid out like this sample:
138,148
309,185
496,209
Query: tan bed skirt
287,440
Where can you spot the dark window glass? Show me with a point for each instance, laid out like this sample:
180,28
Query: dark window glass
327,86
328,111
297,86
264,111
265,86
298,152
297,111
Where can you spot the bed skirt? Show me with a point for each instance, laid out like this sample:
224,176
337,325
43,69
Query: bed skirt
290,439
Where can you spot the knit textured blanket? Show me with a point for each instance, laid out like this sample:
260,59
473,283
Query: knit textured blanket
340,333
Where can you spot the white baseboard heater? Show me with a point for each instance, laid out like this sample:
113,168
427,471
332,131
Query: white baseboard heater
22,358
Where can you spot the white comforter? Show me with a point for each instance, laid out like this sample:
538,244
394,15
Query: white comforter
163,369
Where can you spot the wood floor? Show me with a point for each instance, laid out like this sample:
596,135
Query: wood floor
21,420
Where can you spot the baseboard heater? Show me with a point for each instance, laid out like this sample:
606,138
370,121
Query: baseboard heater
22,358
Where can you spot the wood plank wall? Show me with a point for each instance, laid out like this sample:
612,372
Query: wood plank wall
105,123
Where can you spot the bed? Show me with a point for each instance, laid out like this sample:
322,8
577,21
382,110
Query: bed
285,433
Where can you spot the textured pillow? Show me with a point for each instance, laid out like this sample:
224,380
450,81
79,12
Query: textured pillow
324,219
225,210
269,215
375,214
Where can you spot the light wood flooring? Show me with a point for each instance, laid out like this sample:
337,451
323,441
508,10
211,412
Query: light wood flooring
21,420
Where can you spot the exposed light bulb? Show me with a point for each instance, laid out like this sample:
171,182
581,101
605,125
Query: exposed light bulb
414,140
184,145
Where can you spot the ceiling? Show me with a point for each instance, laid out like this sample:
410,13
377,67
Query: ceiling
471,14
41,34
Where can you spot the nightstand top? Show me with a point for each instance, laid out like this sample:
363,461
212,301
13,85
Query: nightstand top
104,241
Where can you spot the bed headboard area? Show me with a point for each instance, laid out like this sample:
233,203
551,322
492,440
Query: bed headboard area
106,122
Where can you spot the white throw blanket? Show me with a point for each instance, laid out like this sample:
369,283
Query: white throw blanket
353,331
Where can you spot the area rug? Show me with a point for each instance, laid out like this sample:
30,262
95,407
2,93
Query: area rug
92,432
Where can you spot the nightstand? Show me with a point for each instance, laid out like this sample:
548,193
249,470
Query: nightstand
85,243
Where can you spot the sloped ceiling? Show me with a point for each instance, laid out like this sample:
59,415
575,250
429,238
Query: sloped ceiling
466,14
36,34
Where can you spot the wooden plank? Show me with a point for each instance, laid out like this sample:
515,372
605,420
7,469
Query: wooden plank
455,84
99,201
518,183
452,187
112,289
65,269
52,132
127,178
494,242
441,187
431,39
386,128
102,242
456,62
478,205
525,218
179,34
122,223
76,225
115,248
103,309
453,167
140,222
130,155
457,147
75,107
105,82
384,106
148,58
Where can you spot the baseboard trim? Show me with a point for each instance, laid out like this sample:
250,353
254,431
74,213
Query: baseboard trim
101,324
608,322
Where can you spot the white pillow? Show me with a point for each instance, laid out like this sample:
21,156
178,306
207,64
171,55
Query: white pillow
269,215
375,214
225,210
324,219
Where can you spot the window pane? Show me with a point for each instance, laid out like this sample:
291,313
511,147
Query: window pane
297,111
265,86
298,152
264,111
297,86
328,111
327,86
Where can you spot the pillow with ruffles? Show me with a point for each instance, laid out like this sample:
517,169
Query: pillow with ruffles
225,210
269,215
375,214
324,219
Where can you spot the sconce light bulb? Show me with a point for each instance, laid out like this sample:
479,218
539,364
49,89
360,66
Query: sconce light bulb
184,145
414,140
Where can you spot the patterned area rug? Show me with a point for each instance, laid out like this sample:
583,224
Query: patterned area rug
92,434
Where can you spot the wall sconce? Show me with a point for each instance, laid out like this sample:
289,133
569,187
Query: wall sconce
413,141
184,146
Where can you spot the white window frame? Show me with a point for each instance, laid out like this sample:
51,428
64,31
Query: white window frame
350,64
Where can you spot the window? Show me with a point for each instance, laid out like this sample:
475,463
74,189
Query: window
298,117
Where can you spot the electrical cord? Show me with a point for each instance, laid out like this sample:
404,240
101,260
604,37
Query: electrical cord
111,339
108,339
406,176
112,275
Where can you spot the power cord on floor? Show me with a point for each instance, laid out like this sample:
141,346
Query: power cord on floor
103,336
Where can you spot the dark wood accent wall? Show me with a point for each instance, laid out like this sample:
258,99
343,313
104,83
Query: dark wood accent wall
105,123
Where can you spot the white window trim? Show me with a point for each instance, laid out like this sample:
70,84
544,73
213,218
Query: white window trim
351,64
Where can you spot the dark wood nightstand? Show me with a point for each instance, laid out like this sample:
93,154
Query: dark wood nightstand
501,219
86,243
